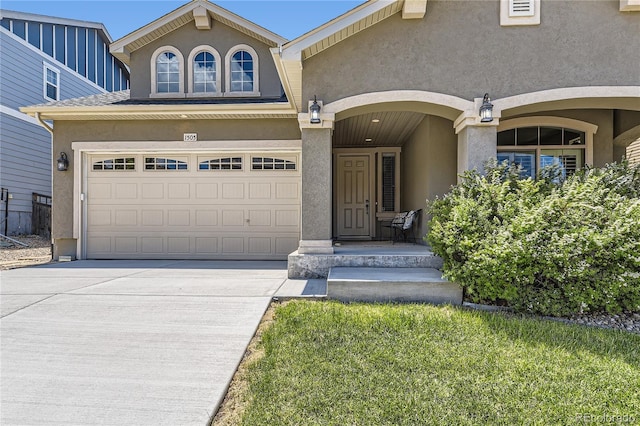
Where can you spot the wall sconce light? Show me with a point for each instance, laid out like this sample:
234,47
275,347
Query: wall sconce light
314,110
486,109
63,162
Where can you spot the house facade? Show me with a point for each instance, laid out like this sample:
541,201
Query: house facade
43,59
214,152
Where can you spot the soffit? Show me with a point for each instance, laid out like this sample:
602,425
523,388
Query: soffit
351,29
393,129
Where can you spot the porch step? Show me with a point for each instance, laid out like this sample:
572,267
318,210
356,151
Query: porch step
305,266
392,285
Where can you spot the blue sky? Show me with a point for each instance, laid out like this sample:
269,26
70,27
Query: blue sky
288,18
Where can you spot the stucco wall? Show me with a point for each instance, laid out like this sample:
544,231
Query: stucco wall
428,164
459,48
67,132
185,39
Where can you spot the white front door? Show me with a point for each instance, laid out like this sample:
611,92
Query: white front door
353,196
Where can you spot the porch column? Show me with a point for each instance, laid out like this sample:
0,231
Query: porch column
316,192
477,141
316,236
476,144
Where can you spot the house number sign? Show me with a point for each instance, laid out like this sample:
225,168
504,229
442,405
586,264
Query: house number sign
191,137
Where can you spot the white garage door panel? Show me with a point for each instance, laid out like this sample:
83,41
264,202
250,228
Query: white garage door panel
194,214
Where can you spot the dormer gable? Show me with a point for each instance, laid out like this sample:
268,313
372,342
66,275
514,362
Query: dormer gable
201,50
201,14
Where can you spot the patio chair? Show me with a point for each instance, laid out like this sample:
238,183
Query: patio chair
404,224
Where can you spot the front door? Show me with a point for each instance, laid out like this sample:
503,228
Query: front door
353,196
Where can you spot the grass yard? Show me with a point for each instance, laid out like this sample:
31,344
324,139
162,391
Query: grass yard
359,364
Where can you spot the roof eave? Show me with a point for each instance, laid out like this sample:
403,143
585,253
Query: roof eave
133,112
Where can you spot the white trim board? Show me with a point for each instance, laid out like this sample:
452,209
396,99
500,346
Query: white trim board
17,114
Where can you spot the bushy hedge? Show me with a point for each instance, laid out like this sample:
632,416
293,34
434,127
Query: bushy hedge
541,247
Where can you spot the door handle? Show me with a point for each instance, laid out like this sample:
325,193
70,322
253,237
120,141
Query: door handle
366,205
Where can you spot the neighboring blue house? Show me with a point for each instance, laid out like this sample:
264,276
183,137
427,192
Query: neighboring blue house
43,59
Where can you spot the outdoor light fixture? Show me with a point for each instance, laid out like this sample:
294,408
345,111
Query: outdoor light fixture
314,110
486,110
63,162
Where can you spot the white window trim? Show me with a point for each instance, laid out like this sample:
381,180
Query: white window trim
216,55
227,72
507,19
154,87
45,67
548,121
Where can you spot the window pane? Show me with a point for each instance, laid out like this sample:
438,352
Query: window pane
100,56
34,34
71,48
19,28
388,183
550,136
568,160
47,39
60,47
91,75
526,160
5,23
52,92
571,137
507,137
109,76
82,51
527,136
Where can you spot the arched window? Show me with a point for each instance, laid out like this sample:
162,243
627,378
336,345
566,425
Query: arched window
204,75
167,70
536,142
242,71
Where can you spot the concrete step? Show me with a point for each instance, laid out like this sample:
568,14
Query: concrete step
392,285
318,265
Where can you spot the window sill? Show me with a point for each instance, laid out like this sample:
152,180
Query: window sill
242,94
204,95
174,95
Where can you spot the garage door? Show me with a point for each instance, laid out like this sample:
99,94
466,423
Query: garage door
195,206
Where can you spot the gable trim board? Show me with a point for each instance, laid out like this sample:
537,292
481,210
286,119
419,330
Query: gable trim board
123,47
20,116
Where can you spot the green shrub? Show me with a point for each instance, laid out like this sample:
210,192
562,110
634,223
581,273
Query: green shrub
540,247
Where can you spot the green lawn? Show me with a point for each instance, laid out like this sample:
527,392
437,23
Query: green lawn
360,364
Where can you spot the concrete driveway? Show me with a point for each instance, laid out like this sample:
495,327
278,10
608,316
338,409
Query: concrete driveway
127,342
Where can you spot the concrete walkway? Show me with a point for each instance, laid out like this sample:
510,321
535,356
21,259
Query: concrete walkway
128,342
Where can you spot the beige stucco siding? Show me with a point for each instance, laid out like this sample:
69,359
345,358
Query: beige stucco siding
460,49
428,164
67,132
185,39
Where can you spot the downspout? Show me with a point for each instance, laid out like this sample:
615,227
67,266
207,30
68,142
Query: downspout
44,124
49,129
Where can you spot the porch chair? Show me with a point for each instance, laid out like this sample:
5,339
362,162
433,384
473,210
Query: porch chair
404,224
